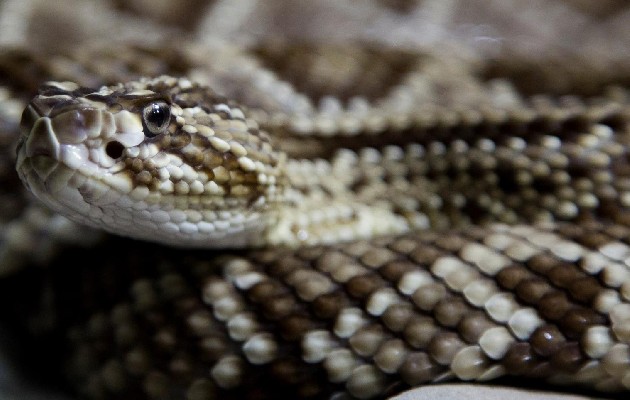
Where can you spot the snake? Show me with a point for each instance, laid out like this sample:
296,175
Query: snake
441,227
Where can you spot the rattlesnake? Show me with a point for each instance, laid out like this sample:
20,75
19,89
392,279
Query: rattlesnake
436,227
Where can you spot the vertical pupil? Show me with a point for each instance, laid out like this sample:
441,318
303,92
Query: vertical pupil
156,115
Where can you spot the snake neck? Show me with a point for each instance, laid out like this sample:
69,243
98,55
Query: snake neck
321,207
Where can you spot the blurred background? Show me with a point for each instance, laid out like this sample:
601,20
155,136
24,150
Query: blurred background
536,28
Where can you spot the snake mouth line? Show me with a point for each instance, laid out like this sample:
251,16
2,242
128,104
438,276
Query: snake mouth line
109,203
53,180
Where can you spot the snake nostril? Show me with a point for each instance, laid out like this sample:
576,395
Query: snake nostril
114,149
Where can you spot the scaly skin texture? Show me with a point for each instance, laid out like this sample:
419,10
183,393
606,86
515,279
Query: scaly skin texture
204,175
469,293
367,319
170,161
513,261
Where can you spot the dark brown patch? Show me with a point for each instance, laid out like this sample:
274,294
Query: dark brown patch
319,71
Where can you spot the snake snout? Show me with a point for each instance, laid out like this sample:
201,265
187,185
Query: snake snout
28,119
38,144
41,141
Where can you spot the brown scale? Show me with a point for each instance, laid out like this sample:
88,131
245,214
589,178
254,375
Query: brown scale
570,358
290,327
577,320
547,340
211,159
444,346
520,359
622,218
363,285
617,231
367,340
377,257
451,243
554,306
279,304
488,182
582,287
546,293
397,317
394,270
430,346
420,368
596,235
527,286
500,184
419,331
194,157
591,238
542,184
327,306
532,290
405,245
283,305
293,322
175,141
198,324
473,325
448,310
445,126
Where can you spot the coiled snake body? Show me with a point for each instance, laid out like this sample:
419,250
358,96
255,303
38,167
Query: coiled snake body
373,245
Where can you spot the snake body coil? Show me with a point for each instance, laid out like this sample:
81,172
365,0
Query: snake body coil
400,221
170,161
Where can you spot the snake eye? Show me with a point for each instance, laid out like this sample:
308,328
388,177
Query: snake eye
155,118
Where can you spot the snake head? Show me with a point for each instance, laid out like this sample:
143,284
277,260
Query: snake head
160,159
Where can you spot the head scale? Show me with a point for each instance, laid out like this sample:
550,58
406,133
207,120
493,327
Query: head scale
161,159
